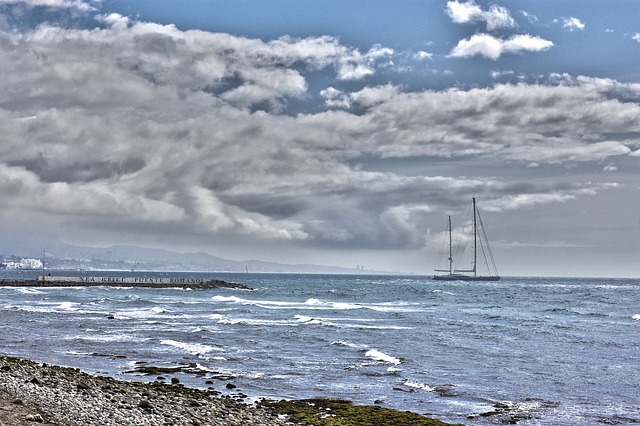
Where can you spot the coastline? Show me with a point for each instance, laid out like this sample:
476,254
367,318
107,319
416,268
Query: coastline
149,283
34,393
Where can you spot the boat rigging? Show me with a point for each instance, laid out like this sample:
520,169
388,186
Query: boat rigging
471,274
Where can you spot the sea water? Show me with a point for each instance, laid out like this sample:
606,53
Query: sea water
542,351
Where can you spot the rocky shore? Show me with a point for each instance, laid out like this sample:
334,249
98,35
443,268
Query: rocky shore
33,393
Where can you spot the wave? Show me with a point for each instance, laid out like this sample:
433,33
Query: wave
110,338
192,348
376,355
417,385
78,353
28,290
349,344
346,323
318,304
256,322
636,317
449,293
154,312
53,307
305,320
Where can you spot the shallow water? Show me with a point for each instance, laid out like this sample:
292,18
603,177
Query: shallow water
547,351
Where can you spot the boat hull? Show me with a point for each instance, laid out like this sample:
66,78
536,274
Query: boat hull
455,277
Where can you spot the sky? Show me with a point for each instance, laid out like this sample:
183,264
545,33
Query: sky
331,132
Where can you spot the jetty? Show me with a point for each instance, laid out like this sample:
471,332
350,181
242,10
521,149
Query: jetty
151,282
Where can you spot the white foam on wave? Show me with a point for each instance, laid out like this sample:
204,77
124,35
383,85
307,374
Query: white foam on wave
304,320
636,317
307,320
151,313
413,384
49,307
28,290
111,338
254,321
79,353
346,323
350,344
318,304
394,307
233,299
192,348
377,355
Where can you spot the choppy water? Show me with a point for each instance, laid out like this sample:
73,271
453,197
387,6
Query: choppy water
550,351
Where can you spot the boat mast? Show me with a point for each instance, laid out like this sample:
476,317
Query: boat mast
450,252
475,238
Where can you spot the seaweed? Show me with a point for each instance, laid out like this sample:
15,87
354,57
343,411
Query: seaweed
339,412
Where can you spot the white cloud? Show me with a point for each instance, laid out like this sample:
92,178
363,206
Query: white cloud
497,74
572,24
370,96
636,37
243,71
80,5
499,17
463,13
423,55
492,47
530,17
559,154
335,98
355,66
367,97
469,12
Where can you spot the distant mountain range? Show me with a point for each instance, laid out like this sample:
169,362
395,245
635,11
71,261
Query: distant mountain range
64,256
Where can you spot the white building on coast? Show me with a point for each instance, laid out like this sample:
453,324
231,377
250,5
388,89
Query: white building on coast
25,263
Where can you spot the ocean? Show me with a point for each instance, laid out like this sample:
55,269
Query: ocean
538,351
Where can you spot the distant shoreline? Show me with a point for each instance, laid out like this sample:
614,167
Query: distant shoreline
185,283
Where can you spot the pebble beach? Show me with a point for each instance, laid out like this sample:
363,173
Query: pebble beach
33,393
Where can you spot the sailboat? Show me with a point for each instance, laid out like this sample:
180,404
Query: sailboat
471,274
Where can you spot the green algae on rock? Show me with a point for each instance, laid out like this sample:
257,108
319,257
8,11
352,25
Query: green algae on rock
339,412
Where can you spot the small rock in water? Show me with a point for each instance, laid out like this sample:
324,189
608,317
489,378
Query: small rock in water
175,380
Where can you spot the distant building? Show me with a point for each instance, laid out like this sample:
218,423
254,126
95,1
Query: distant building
25,263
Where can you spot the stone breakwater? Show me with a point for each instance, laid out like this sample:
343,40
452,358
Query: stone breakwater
52,395
120,282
